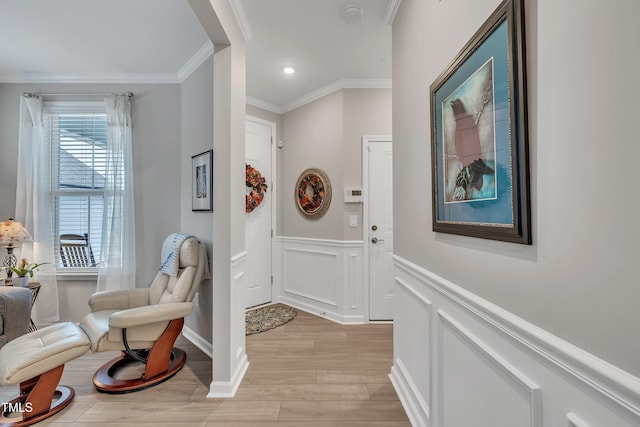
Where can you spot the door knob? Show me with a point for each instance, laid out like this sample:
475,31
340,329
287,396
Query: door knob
376,240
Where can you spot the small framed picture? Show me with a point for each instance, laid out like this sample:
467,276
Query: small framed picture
202,182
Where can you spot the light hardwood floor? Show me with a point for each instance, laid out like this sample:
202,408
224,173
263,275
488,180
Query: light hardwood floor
310,372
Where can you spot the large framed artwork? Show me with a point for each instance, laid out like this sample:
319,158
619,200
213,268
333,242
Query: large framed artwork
202,182
479,147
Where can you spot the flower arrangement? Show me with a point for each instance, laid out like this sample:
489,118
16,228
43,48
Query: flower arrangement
258,185
24,268
311,193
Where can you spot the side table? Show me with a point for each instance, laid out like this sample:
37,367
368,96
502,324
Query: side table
34,287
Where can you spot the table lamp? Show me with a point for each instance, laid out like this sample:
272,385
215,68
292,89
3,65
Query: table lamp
11,232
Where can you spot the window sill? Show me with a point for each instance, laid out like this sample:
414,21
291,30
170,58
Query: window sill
76,273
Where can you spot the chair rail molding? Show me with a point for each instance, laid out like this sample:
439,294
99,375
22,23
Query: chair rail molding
451,346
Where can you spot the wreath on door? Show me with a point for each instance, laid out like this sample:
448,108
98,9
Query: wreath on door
258,185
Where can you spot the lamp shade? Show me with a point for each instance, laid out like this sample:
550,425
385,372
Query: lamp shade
13,232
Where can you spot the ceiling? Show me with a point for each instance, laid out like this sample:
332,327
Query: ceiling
161,41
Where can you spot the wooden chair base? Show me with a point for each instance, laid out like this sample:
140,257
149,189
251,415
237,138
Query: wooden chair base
105,379
62,396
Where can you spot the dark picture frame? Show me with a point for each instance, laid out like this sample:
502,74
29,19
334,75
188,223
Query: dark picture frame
202,182
479,134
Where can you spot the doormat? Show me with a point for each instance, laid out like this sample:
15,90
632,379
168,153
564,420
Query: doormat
266,318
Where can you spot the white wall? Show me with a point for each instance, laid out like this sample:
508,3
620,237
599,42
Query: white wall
577,283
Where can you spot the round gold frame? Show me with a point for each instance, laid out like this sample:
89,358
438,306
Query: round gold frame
313,192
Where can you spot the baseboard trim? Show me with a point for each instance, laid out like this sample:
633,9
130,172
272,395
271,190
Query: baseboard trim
320,311
414,405
198,341
227,389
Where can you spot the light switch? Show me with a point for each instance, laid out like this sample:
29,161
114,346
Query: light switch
353,220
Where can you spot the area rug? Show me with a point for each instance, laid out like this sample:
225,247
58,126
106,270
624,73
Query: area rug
266,318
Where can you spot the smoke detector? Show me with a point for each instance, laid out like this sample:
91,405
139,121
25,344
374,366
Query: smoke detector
352,14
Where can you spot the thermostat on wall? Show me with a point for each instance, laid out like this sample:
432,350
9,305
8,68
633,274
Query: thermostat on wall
353,195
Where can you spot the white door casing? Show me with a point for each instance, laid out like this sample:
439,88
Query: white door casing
378,223
259,222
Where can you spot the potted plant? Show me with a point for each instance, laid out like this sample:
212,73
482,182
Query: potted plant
24,271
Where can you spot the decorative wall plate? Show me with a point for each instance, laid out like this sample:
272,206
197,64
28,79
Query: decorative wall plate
313,192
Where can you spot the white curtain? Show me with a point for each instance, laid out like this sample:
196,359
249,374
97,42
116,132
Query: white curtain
33,205
117,266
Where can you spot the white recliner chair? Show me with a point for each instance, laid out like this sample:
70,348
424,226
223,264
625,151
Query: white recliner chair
143,323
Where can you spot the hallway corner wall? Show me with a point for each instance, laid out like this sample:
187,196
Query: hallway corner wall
574,290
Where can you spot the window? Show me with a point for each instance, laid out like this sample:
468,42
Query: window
77,135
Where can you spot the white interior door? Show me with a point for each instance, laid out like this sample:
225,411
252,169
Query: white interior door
259,221
380,228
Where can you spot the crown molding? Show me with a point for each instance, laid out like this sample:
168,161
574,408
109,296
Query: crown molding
317,94
392,9
143,78
264,105
195,61
241,17
160,78
338,85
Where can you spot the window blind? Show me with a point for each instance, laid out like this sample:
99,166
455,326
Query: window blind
78,166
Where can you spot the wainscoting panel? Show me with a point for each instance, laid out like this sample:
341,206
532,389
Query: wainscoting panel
236,363
460,360
476,382
238,293
323,277
312,274
414,318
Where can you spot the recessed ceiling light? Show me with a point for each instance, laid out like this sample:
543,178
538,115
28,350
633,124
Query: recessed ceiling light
288,70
